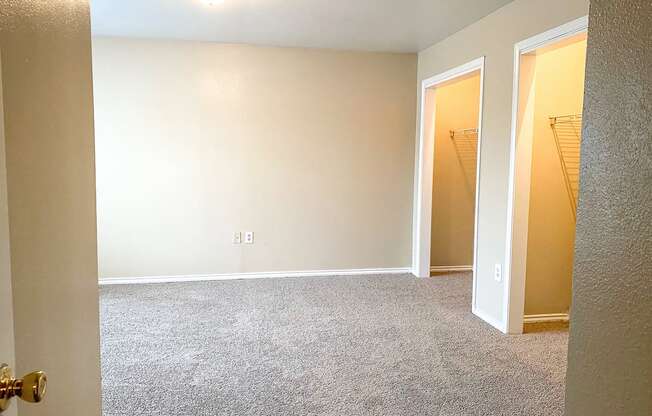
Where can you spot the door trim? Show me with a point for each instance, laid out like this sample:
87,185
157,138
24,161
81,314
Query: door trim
424,170
514,295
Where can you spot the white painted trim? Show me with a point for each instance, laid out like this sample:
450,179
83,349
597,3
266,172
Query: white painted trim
514,299
451,268
490,320
547,317
242,276
421,233
423,191
453,73
554,35
478,170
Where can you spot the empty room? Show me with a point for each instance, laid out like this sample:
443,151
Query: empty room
292,207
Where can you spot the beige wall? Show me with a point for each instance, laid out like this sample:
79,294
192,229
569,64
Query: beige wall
312,150
609,352
6,302
559,90
454,179
494,37
46,73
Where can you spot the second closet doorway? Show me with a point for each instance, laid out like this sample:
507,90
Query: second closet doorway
544,177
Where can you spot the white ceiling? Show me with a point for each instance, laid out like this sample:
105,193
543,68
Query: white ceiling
374,25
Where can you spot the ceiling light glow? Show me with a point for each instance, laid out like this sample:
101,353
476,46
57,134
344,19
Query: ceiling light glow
211,2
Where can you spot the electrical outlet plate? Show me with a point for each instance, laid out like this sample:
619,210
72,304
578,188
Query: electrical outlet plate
249,237
498,273
237,237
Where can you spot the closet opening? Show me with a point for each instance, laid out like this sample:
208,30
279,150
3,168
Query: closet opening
454,184
545,185
445,229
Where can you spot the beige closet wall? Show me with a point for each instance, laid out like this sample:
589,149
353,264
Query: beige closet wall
312,150
494,37
453,203
559,90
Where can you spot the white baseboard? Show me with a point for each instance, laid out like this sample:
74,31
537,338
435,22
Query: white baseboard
548,317
440,269
241,276
491,321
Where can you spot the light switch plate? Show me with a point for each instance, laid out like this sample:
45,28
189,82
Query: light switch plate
237,237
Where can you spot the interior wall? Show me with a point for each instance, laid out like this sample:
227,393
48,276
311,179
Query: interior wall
494,37
48,108
6,302
310,149
559,85
610,353
454,179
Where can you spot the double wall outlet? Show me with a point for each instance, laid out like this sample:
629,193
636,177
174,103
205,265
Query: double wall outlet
498,273
248,237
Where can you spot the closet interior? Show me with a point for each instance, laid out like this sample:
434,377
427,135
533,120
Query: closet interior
550,129
455,174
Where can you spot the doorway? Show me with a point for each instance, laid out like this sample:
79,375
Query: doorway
544,176
455,171
447,166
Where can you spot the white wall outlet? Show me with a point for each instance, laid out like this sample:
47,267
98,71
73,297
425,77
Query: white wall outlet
249,237
237,237
498,273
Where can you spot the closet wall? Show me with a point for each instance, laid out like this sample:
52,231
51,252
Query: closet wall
454,179
558,90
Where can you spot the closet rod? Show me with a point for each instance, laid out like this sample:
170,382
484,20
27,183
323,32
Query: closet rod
567,134
463,132
570,118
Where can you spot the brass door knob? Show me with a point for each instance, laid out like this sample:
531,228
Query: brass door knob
30,388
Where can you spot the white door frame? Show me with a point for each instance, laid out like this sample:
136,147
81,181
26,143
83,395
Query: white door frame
514,304
424,169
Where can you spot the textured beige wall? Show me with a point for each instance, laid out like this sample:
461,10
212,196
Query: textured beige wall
312,150
494,37
453,203
46,73
559,85
609,352
6,302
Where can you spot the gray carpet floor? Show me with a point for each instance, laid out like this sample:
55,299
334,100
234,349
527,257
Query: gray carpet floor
345,346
